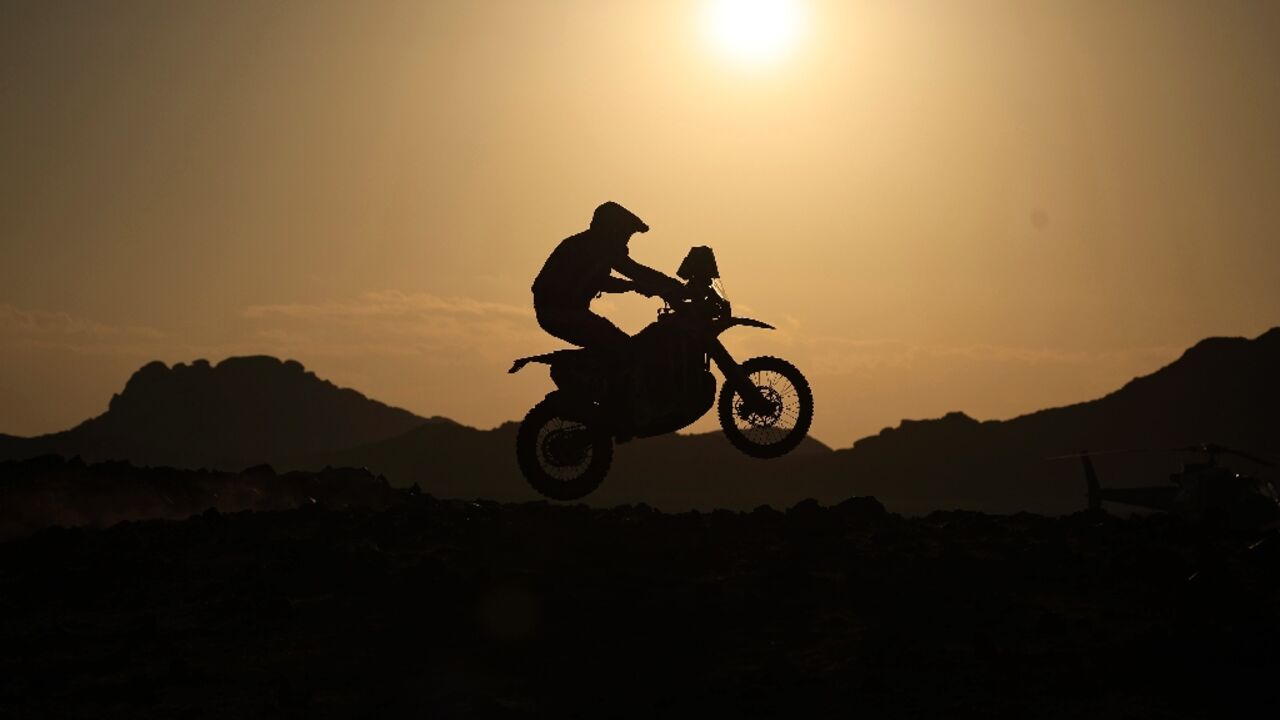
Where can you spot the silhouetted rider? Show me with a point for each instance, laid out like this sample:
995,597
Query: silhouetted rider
580,268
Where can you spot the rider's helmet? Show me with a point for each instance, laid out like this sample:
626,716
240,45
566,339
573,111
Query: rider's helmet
613,217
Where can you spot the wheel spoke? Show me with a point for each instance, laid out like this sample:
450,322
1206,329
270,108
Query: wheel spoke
775,427
551,438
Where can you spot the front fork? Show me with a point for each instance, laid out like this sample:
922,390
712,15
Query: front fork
734,377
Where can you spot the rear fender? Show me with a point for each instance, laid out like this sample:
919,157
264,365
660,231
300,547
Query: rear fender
519,364
725,323
546,359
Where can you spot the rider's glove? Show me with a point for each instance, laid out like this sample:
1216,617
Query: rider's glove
674,295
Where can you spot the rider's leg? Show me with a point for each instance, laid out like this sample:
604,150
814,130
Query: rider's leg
617,346
622,373
586,329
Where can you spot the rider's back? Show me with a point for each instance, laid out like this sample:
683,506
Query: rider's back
576,270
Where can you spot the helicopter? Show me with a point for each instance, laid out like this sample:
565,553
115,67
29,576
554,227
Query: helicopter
1203,492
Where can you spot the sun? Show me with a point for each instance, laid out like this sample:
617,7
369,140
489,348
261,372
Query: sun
754,31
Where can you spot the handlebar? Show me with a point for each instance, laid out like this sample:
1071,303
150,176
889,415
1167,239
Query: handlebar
691,298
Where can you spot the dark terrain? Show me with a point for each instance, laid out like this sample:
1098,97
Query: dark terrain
50,490
439,608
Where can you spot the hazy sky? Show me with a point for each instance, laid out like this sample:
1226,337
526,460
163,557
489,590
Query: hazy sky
980,206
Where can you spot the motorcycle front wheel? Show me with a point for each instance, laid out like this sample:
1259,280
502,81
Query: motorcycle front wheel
778,431
562,458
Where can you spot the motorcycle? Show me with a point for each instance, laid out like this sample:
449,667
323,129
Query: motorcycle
564,446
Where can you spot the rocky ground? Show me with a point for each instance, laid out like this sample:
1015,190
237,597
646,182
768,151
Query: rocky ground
451,609
52,490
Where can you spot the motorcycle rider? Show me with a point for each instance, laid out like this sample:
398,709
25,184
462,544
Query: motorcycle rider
580,269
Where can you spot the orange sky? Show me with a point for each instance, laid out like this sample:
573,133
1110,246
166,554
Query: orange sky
980,206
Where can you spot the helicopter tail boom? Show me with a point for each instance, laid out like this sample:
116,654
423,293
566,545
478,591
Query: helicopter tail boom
1091,479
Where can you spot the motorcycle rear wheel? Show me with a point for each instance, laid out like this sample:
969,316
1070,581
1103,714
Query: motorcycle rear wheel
562,458
776,433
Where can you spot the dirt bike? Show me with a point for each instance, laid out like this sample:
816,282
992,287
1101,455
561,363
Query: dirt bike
565,444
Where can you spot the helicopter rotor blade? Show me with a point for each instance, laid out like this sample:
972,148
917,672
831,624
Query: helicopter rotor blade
1251,458
1095,453
1206,448
1215,449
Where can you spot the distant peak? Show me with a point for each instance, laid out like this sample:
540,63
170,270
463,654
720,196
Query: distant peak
955,417
241,411
1213,347
157,372
1214,343
263,362
952,422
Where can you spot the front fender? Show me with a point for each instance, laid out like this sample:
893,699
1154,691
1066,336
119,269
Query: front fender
726,323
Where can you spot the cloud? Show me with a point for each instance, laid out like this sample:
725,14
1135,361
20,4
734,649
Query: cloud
841,355
40,329
390,304
450,330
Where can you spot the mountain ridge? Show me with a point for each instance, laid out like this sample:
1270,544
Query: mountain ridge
1221,389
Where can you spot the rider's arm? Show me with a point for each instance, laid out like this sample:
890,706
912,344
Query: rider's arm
648,278
617,285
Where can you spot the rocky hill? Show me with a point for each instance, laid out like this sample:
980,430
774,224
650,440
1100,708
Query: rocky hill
243,411
1222,390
